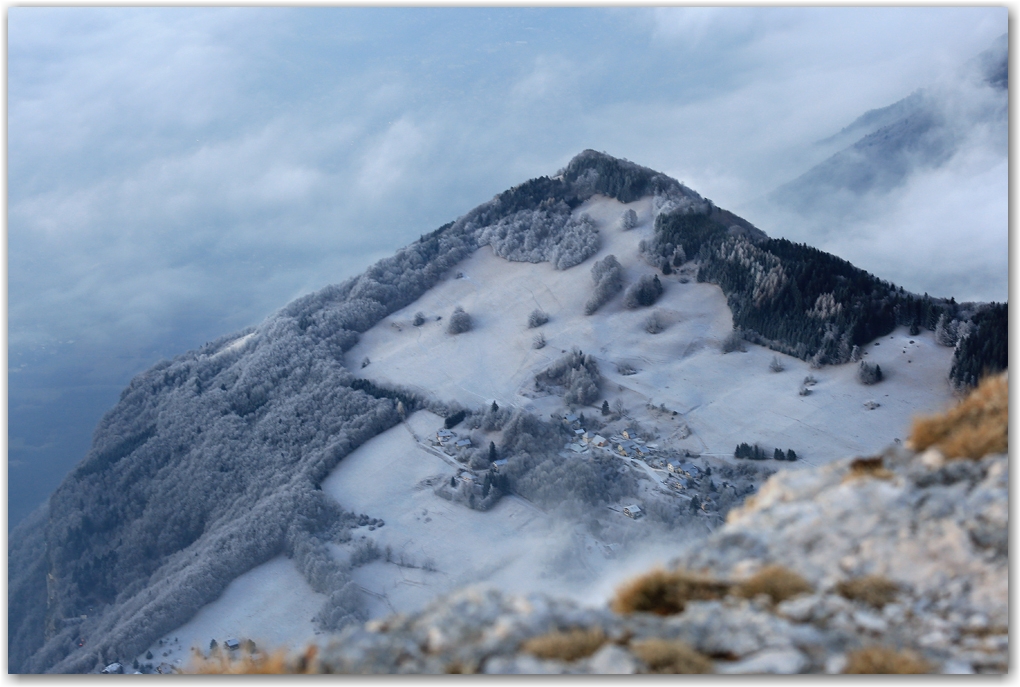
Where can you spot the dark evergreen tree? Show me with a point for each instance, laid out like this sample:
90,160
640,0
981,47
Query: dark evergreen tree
605,407
455,419
492,452
986,350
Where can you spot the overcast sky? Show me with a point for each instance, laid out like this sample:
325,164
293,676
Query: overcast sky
178,174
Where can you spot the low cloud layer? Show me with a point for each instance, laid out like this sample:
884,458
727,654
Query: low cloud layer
177,174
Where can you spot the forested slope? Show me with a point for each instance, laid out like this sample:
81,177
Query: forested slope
210,463
814,305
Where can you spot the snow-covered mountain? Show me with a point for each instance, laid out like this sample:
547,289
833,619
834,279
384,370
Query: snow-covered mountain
883,148
487,405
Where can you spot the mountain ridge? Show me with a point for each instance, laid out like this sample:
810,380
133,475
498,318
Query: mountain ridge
211,463
882,148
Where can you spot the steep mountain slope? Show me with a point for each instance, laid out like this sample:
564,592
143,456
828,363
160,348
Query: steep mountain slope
884,147
896,563
217,462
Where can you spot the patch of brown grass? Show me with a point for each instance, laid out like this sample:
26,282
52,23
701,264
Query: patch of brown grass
460,668
566,646
666,592
977,426
874,590
676,657
276,663
778,582
867,467
882,660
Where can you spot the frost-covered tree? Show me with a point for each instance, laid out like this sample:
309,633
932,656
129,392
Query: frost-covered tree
460,322
775,365
945,331
655,323
544,234
734,341
628,220
607,274
539,341
537,318
679,256
577,373
867,373
419,319
645,292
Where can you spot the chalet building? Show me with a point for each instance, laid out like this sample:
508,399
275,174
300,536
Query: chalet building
633,511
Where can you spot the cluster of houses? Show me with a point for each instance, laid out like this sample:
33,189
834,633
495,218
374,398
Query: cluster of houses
449,439
626,443
682,476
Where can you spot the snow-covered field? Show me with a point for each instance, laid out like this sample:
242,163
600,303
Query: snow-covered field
724,399
271,604
436,545
514,546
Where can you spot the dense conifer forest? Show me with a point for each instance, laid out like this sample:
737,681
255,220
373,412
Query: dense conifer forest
815,306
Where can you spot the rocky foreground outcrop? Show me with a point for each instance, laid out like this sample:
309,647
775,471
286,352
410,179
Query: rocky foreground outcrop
889,563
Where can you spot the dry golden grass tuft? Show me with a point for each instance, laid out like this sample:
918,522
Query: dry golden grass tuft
566,646
258,664
460,668
676,657
874,590
867,467
778,582
882,660
977,426
666,592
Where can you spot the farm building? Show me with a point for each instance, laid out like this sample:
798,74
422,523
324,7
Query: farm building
633,511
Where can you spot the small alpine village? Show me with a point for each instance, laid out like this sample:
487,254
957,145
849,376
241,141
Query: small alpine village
679,473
